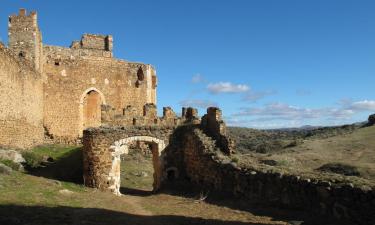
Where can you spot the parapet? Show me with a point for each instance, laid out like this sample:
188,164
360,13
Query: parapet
94,42
23,17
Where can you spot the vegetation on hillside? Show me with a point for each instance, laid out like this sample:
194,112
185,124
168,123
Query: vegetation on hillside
269,141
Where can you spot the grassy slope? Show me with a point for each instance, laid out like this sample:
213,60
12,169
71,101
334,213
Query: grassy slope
356,148
37,200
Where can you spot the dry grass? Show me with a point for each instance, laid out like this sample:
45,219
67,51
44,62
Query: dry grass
355,149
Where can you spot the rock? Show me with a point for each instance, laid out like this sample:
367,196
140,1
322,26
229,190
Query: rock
144,174
12,155
5,169
66,192
371,120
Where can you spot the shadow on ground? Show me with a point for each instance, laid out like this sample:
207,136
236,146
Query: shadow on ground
135,192
39,215
68,167
186,189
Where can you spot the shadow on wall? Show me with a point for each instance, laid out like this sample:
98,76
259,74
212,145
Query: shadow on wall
38,215
67,168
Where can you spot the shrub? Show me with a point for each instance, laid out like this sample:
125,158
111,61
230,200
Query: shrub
11,164
32,160
235,159
340,168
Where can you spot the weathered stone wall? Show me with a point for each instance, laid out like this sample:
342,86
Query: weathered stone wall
130,116
103,147
25,38
21,108
213,125
205,167
70,74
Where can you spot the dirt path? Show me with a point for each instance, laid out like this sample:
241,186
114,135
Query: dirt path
134,203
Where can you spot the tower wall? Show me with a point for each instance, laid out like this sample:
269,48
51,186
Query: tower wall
21,105
25,38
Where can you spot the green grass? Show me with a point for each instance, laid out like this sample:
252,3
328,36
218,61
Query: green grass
10,164
56,162
137,172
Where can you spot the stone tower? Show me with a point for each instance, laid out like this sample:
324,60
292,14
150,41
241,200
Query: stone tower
25,38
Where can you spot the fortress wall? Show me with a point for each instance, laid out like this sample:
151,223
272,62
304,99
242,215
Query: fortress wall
21,108
70,76
56,53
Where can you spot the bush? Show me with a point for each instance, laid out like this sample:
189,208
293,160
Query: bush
371,120
11,164
340,168
32,160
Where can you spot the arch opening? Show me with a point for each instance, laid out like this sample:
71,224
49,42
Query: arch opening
90,109
146,170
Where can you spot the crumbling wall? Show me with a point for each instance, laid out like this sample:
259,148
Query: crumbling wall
213,125
21,108
206,167
130,116
69,80
103,147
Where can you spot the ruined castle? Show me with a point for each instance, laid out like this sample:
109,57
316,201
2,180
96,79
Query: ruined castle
56,92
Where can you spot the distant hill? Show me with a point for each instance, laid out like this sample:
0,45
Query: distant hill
265,141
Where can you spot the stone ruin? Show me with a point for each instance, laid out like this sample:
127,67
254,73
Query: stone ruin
54,94
103,146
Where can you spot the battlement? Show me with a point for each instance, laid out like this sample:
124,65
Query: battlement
29,20
94,41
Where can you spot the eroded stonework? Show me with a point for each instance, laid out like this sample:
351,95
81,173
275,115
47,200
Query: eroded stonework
67,89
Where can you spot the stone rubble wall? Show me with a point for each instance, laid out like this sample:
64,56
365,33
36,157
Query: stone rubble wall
207,167
70,73
103,147
69,80
213,125
21,108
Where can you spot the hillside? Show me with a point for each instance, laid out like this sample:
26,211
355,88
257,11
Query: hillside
347,151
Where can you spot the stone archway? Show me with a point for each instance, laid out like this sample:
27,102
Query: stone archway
90,108
121,147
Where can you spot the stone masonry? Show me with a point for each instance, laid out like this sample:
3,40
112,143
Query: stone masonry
67,87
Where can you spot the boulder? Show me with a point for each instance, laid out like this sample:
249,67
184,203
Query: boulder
371,120
5,169
12,156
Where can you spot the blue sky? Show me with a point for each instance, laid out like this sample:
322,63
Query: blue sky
266,63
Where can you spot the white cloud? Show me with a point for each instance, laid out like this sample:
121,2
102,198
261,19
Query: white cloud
198,103
365,105
197,78
284,115
227,87
281,111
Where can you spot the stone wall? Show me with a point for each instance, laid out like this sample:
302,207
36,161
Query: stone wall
25,38
206,167
103,147
21,108
130,116
70,76
213,125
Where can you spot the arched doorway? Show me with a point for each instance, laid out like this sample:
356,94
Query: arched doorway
122,147
90,109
